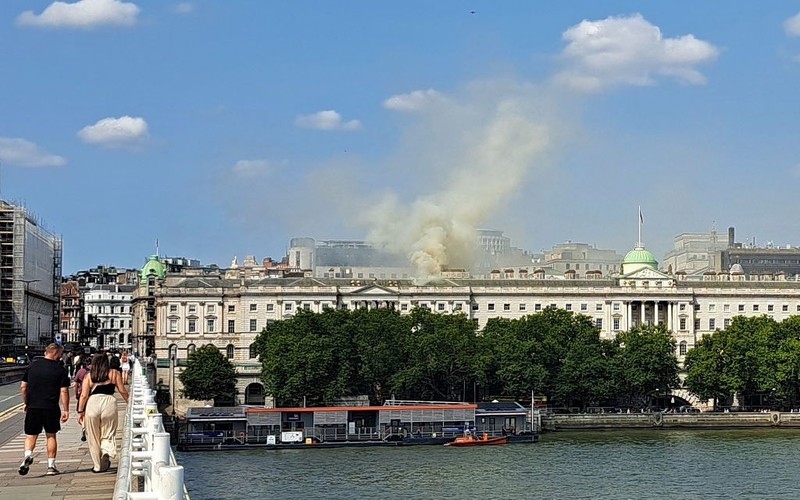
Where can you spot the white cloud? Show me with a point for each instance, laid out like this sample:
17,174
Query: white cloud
413,101
256,168
326,120
115,132
24,153
83,14
792,25
629,51
184,8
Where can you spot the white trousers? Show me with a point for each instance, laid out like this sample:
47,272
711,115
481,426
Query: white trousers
100,422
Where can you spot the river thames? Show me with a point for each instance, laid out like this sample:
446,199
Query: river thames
618,464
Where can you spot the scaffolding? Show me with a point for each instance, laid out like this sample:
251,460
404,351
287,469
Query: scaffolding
21,233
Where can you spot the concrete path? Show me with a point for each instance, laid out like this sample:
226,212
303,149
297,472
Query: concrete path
76,481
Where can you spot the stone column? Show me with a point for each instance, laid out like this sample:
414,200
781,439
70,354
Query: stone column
628,316
657,312
670,312
641,312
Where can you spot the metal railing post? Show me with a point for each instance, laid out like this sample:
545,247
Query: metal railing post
146,451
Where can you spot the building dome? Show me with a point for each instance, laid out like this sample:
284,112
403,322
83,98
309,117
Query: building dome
153,267
637,259
737,269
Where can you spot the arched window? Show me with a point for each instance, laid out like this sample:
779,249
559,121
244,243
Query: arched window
230,351
253,352
190,349
254,394
682,348
173,351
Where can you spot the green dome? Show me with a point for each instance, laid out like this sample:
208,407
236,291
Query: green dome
640,256
153,267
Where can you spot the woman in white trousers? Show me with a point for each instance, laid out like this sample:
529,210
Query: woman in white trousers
97,411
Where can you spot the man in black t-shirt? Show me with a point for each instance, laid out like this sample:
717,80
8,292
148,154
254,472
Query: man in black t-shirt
44,383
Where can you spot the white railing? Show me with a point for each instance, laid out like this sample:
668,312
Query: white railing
146,453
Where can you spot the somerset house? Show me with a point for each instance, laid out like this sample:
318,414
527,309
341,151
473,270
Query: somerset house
178,312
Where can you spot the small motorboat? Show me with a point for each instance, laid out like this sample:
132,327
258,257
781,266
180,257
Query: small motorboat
484,440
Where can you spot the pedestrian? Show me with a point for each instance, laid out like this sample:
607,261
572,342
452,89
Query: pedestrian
126,366
68,363
43,384
79,376
115,364
97,411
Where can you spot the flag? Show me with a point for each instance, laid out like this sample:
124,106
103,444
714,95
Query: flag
641,218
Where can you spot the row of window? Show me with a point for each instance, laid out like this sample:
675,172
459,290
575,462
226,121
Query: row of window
110,309
191,348
741,307
211,325
536,307
211,308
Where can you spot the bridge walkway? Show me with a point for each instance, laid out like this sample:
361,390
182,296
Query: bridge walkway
76,481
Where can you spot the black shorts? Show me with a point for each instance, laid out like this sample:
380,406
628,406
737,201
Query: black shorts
38,418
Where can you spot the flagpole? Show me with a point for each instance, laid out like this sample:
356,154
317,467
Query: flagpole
639,243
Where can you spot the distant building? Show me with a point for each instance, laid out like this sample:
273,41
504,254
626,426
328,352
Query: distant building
110,306
356,259
143,304
350,259
696,253
582,258
30,281
760,261
104,275
72,319
495,252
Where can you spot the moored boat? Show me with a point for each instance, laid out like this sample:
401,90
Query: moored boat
484,440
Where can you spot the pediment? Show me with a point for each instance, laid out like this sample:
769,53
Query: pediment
647,274
647,278
374,290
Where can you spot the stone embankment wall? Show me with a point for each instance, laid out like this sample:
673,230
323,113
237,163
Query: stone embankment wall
610,421
11,374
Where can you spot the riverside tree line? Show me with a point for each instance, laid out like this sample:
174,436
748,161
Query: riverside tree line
314,358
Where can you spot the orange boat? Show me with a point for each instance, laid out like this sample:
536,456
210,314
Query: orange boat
484,440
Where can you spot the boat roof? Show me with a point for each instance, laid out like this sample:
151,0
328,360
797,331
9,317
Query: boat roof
316,409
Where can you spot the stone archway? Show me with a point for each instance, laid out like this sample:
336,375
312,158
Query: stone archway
254,394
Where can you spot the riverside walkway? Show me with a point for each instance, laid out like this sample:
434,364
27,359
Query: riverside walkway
76,481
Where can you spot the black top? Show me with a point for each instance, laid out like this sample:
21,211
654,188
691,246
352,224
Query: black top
103,389
45,379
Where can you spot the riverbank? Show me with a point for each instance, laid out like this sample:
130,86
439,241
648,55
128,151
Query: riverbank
659,420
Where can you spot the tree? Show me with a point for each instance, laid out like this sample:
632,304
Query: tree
704,364
645,364
298,363
440,351
208,375
587,375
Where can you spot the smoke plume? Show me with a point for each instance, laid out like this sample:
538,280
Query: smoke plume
475,152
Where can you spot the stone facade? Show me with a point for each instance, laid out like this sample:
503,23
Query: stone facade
228,309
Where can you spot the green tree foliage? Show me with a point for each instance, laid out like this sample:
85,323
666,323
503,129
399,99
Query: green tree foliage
757,359
314,358
554,353
441,357
208,375
704,374
645,364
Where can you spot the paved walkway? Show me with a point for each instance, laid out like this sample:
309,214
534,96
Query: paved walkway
76,481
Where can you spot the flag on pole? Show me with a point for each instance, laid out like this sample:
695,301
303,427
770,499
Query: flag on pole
641,218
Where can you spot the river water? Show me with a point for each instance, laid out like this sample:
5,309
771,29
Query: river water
618,464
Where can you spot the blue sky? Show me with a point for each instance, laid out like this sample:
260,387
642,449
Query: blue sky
226,128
